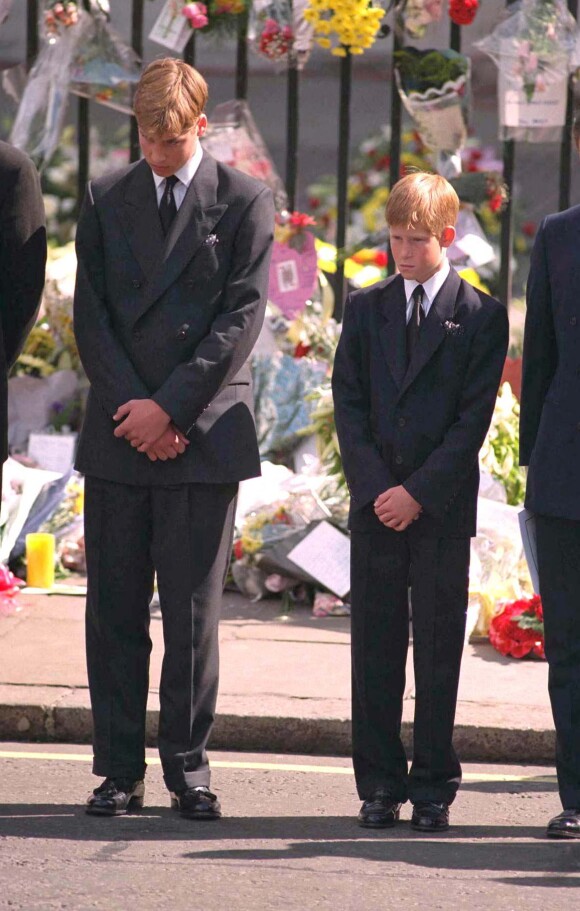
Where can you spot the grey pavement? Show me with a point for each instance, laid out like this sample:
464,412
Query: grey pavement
285,684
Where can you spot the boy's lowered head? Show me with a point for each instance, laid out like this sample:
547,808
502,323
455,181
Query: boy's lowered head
169,106
421,214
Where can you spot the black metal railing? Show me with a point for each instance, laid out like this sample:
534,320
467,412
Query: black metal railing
345,77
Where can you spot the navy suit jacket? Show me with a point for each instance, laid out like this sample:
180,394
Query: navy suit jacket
173,319
421,427
550,402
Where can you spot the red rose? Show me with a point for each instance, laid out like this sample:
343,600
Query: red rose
381,259
463,12
238,549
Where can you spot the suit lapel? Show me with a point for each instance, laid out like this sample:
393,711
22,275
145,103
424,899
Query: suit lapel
139,216
392,333
163,259
433,329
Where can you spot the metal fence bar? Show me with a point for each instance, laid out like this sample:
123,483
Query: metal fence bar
507,225
242,58
292,128
396,127
189,50
32,41
566,145
137,45
83,140
342,177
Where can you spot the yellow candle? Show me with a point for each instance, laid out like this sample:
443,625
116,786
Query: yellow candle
40,560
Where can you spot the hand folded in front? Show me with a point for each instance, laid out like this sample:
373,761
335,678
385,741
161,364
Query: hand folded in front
142,421
170,444
396,508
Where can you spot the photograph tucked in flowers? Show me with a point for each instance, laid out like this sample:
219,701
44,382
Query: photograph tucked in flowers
518,629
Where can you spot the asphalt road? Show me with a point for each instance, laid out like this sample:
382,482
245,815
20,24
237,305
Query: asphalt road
288,840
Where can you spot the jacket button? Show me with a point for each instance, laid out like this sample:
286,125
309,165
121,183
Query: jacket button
138,336
446,507
398,460
136,283
401,422
573,320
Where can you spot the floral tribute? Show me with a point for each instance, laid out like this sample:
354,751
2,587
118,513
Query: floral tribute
518,629
345,26
196,14
58,15
463,12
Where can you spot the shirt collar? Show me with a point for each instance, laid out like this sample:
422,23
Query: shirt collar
187,172
432,286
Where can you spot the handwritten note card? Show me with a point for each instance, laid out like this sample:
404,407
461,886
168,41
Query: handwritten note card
325,555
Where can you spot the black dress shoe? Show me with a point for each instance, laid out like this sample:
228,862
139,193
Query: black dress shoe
565,825
196,803
429,816
379,811
115,796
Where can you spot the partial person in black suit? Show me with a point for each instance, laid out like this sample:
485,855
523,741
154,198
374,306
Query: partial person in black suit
550,446
415,382
173,260
22,264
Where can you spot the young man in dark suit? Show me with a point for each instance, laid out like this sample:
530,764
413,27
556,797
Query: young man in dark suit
550,446
22,263
415,381
171,289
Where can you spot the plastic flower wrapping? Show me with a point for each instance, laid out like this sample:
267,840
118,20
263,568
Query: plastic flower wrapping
517,630
81,54
534,49
234,138
104,68
345,26
270,29
434,87
417,15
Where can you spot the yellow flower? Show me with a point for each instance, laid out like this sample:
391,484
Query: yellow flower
324,42
338,52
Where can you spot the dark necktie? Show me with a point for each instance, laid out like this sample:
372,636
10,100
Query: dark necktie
167,207
414,324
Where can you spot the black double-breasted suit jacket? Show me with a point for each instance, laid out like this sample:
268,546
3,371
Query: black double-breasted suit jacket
22,262
173,319
423,426
550,400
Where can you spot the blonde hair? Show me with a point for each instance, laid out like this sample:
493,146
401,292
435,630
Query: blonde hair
422,200
169,98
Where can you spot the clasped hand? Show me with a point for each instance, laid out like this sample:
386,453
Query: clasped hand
396,508
148,428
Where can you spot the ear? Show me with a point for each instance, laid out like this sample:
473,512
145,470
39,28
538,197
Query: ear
201,124
448,236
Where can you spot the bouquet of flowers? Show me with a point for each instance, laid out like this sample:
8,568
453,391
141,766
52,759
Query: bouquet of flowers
518,628
434,87
499,454
534,49
234,138
345,27
59,15
270,29
104,68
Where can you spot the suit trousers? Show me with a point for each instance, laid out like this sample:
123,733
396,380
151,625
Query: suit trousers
385,565
184,534
558,542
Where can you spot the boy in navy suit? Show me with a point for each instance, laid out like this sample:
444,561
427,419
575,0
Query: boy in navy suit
415,382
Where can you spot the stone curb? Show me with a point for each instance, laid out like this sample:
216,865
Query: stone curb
62,723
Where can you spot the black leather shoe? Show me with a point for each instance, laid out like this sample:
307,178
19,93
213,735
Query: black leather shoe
115,796
379,811
565,825
429,816
196,803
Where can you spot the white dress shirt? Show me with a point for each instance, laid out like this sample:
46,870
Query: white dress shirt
185,175
430,288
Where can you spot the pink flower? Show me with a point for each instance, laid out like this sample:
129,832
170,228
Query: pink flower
196,13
